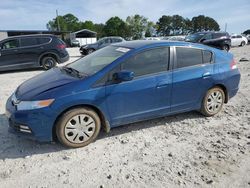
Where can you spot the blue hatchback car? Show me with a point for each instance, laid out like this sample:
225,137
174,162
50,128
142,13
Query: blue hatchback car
120,84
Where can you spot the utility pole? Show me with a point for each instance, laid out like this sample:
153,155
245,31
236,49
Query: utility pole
57,19
225,27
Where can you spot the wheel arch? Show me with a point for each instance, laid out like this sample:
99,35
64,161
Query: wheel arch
48,54
104,122
223,87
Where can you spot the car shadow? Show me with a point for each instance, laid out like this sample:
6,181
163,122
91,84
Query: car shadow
22,70
13,146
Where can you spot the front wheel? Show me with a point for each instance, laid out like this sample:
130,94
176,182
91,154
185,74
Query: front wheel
213,101
78,127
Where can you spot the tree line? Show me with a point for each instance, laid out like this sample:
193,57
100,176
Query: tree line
136,26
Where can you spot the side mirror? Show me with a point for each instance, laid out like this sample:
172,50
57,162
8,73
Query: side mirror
123,76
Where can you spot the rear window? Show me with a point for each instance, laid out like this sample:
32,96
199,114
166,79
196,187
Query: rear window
188,57
28,42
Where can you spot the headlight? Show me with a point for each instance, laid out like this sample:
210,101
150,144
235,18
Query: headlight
30,105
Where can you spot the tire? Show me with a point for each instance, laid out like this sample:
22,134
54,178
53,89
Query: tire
213,102
91,50
225,47
78,127
48,62
243,43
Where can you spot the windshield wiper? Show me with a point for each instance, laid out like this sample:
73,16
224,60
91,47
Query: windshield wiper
70,70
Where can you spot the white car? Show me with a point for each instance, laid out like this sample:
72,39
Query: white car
238,40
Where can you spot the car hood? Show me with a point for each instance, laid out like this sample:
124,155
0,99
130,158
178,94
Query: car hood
43,82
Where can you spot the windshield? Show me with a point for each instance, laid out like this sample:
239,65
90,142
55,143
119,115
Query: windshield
194,37
96,61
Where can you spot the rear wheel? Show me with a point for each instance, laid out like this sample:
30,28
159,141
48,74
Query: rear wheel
48,62
213,101
243,43
78,127
225,47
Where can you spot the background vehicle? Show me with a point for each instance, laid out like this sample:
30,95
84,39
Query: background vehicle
121,84
29,51
101,43
219,40
75,43
175,38
238,40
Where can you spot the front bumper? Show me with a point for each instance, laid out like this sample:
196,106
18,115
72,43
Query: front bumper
33,124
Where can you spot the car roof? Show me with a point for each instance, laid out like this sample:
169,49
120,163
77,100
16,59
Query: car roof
33,35
205,32
147,43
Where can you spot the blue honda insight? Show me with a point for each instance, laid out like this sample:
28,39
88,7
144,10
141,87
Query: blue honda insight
120,84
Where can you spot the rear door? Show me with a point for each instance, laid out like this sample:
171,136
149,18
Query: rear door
192,77
30,50
148,94
9,57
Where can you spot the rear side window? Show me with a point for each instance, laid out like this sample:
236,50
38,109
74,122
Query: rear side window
28,42
11,44
207,56
116,40
219,35
44,40
148,62
188,57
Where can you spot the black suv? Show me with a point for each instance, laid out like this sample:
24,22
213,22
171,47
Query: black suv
103,42
219,40
29,51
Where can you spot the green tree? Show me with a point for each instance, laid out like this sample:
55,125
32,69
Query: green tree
137,26
87,25
164,25
99,29
115,26
177,24
68,22
203,23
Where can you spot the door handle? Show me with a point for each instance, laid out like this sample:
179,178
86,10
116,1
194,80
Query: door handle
163,84
206,75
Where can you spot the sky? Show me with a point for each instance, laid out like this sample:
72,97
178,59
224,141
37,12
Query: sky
34,14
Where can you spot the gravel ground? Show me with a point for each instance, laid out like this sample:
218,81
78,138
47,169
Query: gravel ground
185,150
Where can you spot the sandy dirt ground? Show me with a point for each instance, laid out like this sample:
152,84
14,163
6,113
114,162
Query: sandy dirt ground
184,150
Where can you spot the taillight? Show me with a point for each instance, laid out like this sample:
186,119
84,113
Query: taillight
233,65
61,46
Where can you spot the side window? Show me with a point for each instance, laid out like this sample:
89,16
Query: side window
239,36
207,56
11,44
28,42
207,36
108,40
44,40
188,57
148,62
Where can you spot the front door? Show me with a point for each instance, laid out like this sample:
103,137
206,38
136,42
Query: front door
9,57
148,94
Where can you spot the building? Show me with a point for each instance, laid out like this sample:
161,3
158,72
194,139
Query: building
64,35
84,36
